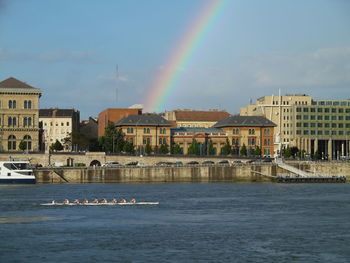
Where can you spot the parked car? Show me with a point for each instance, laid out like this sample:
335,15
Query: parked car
224,162
179,164
111,164
192,163
208,163
237,162
164,164
132,163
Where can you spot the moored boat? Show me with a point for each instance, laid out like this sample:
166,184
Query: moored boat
16,172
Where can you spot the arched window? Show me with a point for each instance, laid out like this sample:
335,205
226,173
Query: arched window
28,142
25,121
29,104
11,142
29,121
10,104
14,121
25,104
9,121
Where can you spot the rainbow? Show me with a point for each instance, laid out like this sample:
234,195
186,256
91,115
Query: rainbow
166,81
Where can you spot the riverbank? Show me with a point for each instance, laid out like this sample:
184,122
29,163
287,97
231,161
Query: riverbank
159,174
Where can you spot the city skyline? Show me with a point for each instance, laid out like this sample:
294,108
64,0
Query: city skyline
252,49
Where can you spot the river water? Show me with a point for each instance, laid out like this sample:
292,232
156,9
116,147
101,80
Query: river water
194,222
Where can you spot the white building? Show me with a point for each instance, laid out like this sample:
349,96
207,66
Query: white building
58,124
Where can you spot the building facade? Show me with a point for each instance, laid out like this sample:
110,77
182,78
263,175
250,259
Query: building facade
58,124
193,118
314,126
113,116
141,130
322,127
184,136
19,116
249,131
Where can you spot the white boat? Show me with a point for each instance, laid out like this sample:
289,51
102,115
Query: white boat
16,172
100,204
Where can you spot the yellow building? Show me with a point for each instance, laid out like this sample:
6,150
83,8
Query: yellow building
145,129
19,115
249,131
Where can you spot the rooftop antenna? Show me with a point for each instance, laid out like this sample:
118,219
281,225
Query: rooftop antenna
117,81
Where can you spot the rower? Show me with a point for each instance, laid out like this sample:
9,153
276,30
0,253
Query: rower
95,201
85,201
133,201
65,201
103,201
114,201
122,200
76,201
53,202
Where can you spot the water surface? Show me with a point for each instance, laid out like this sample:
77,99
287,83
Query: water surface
194,222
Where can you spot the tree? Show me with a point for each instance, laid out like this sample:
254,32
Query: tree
226,150
287,153
211,149
113,140
22,146
177,149
148,148
57,146
243,151
163,149
129,147
194,148
257,151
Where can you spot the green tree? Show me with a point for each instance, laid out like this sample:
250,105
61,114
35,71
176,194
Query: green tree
128,147
317,155
194,148
113,140
226,150
22,146
257,151
57,146
177,149
148,148
163,149
211,149
287,152
243,151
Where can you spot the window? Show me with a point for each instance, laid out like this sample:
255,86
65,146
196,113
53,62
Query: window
67,123
334,125
305,117
334,118
298,132
267,131
340,118
162,140
298,117
11,142
306,132
312,124
340,110
146,130
28,142
340,125
306,125
313,117
12,121
251,141
235,131
235,141
319,125
326,132
334,110
326,110
319,117
312,132
162,131
251,131
146,140
306,109
319,132
12,104
298,110
326,118
130,130
62,124
27,104
320,110
267,142
298,124
312,110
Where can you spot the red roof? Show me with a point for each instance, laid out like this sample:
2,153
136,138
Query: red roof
189,115
14,83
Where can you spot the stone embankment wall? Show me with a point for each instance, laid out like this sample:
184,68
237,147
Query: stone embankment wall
155,174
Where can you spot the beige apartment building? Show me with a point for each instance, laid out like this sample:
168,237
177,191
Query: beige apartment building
58,124
19,115
321,126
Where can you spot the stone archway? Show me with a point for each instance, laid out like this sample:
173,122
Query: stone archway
95,163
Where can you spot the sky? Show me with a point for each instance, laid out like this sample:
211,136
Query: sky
71,51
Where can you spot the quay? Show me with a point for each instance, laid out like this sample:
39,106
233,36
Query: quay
295,179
